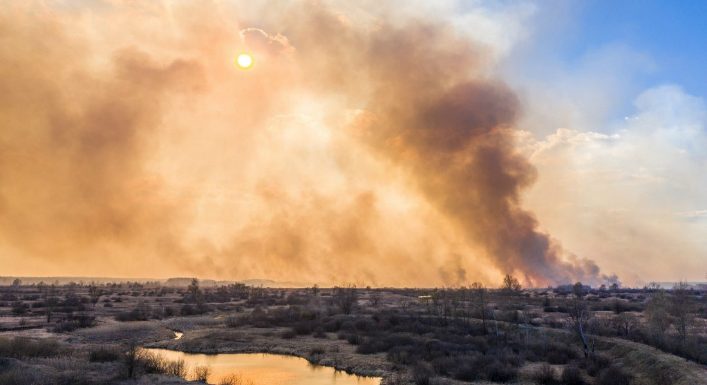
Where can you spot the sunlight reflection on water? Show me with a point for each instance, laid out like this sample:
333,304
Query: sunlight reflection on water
265,369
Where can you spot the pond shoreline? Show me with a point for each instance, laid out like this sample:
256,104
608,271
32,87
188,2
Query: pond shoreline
268,368
330,352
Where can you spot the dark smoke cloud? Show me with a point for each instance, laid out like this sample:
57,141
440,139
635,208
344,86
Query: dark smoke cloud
159,150
451,128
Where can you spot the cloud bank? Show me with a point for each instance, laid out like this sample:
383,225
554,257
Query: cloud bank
633,194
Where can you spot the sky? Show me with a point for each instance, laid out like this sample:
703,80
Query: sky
629,136
374,143
673,36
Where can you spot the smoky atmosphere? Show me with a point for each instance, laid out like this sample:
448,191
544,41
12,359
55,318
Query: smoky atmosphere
353,192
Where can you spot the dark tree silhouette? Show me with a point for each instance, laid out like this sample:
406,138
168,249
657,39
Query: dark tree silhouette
345,298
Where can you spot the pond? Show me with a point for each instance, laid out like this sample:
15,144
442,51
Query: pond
265,369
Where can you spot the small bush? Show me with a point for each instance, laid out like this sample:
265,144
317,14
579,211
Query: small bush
559,354
316,350
19,308
571,375
72,378
133,315
371,346
364,324
18,376
232,322
174,368
354,339
303,328
289,334
421,374
234,379
613,376
74,322
103,355
201,373
319,332
332,325
499,372
154,363
21,347
464,372
401,356
596,364
545,375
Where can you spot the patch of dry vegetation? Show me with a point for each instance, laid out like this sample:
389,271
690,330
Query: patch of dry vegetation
449,336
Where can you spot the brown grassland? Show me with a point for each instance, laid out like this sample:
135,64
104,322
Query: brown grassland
92,334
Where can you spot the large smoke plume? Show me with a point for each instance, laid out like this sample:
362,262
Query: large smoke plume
357,149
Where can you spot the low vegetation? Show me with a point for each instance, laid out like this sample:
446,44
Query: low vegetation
572,335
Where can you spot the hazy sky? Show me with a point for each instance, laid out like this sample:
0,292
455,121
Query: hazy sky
377,143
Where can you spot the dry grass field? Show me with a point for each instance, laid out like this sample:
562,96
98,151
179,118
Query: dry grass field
92,334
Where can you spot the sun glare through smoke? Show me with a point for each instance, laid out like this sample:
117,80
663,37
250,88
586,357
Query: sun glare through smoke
244,61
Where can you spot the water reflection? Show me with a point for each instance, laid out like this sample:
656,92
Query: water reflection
266,369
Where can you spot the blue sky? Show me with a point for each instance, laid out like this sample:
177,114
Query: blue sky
601,55
672,33
615,98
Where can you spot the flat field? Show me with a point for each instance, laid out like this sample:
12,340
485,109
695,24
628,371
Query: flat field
92,334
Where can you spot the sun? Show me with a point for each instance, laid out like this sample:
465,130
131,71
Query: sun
244,61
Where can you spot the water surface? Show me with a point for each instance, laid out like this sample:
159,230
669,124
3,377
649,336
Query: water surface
266,369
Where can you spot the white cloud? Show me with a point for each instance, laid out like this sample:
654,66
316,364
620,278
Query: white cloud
693,215
612,194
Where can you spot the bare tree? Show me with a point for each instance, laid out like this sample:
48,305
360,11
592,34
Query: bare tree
657,313
511,284
375,298
624,324
50,302
131,358
479,295
681,309
652,286
95,294
455,301
345,298
441,300
580,314
193,290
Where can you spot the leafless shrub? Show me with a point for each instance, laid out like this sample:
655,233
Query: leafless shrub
174,368
17,377
20,347
103,355
571,375
545,375
201,373
614,376
235,379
